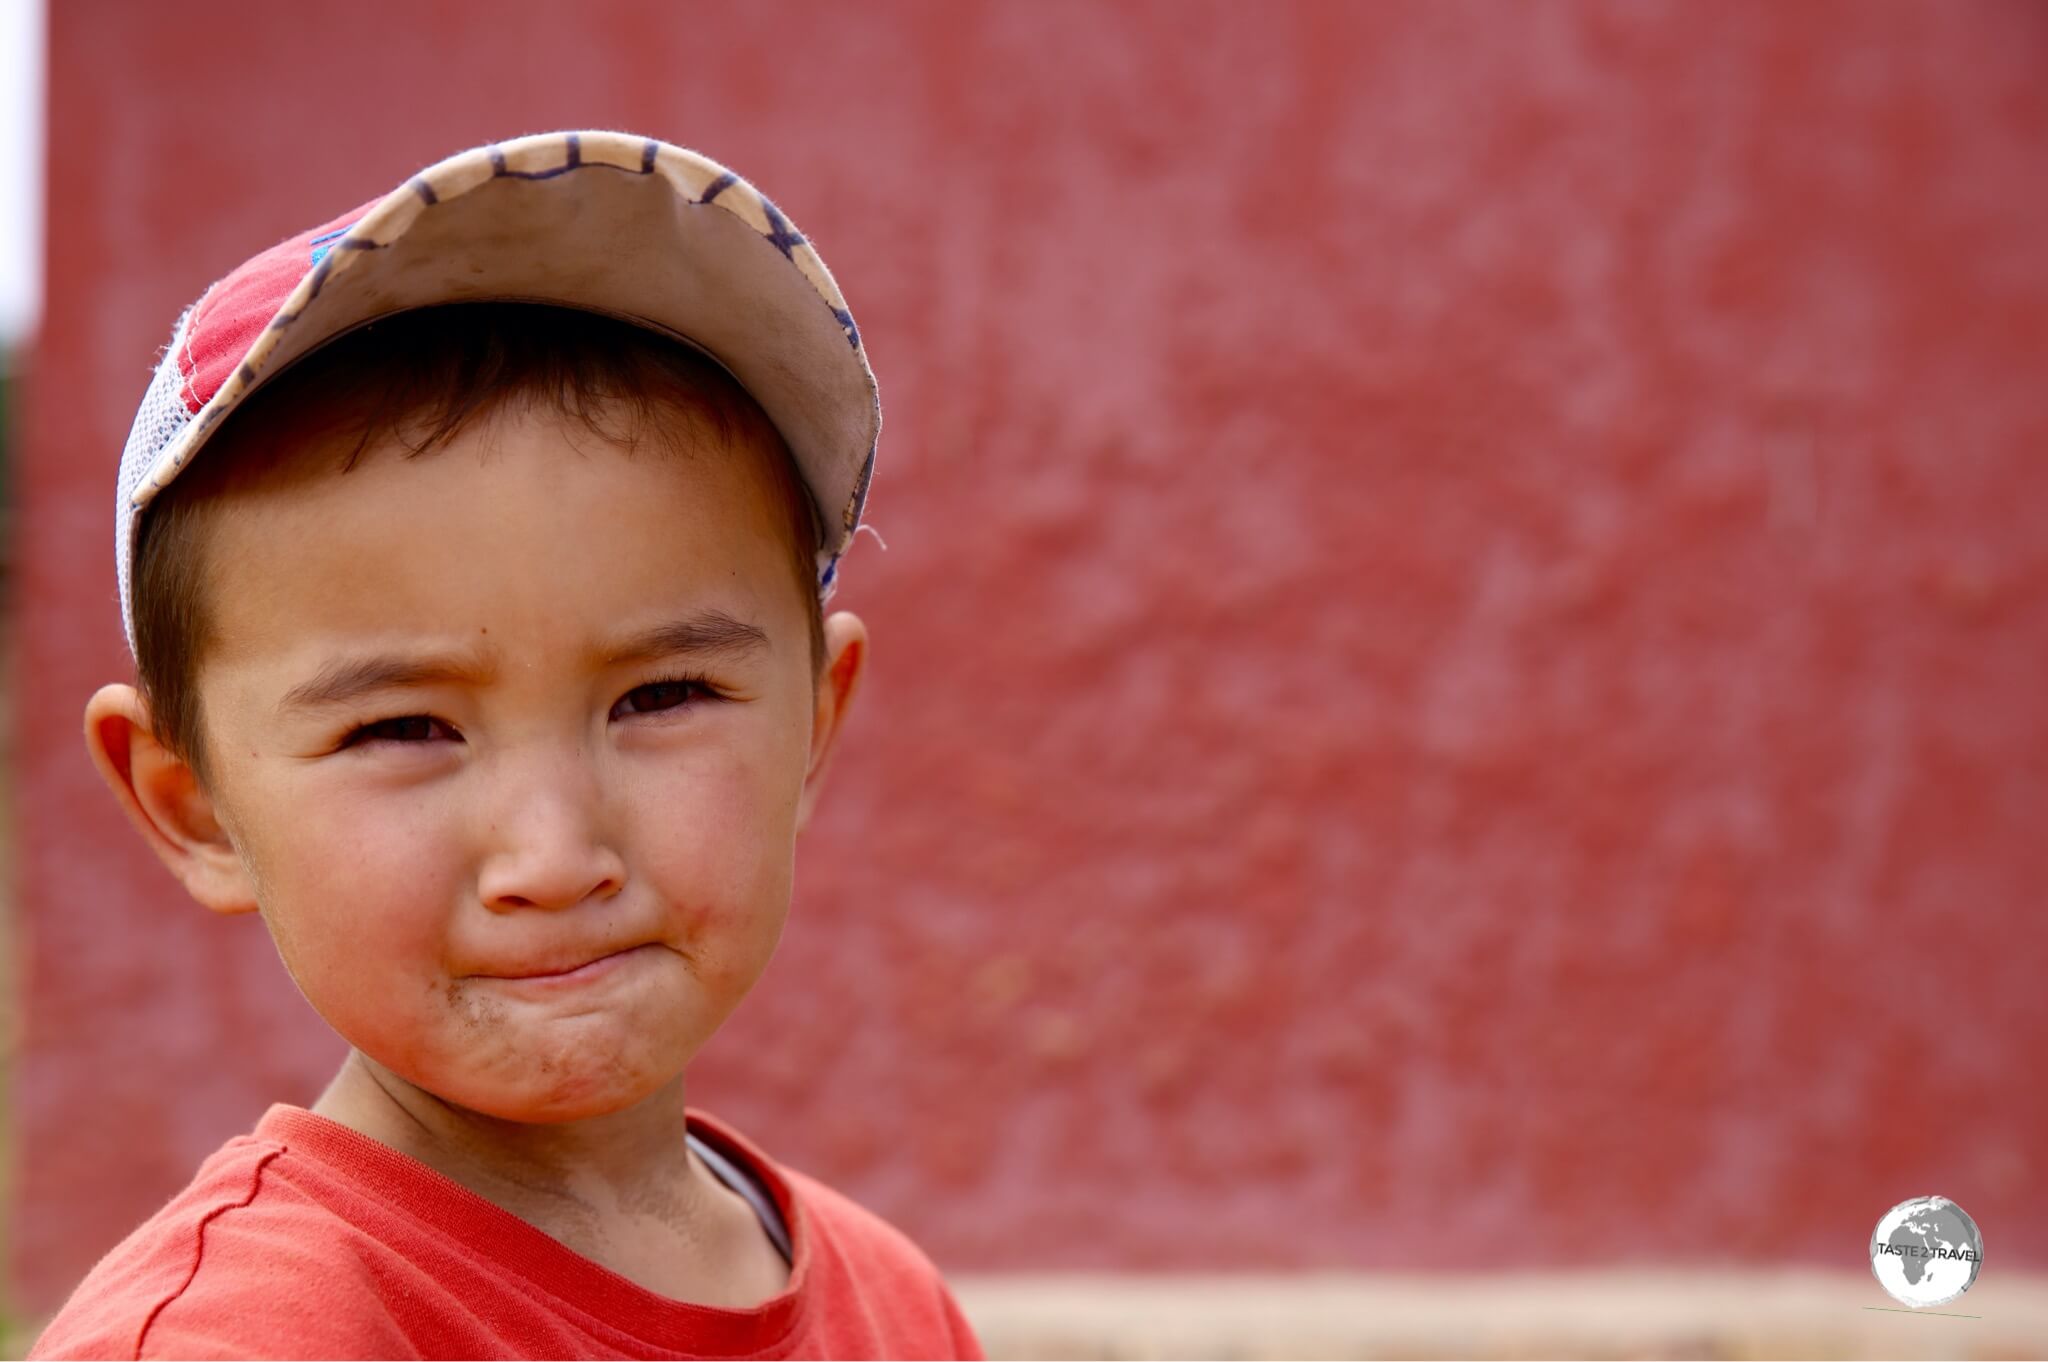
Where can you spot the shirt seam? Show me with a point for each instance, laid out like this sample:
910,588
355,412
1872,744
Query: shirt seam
199,1248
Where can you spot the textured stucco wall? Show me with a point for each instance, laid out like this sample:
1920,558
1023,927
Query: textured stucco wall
1460,659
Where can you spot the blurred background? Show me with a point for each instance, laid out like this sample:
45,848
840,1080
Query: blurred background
1456,757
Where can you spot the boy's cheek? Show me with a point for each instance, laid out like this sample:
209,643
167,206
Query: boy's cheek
722,864
369,933
342,885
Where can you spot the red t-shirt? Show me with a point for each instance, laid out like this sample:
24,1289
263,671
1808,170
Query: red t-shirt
309,1239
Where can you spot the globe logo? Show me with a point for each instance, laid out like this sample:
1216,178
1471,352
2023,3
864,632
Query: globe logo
1926,1251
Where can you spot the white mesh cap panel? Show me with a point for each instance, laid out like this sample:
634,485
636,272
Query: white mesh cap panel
157,422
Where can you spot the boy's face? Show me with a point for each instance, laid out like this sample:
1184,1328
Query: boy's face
511,744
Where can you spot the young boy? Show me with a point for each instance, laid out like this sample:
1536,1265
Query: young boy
472,551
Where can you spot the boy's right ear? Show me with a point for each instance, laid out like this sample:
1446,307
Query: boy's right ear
163,799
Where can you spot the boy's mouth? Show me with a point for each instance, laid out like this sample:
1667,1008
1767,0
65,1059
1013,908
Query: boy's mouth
573,970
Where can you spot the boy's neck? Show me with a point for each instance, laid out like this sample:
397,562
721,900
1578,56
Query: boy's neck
600,1186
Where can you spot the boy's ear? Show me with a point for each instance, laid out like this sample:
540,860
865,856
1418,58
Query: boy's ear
846,656
163,799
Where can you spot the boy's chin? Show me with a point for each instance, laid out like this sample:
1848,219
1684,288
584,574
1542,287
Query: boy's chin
557,1106
556,1096
536,1066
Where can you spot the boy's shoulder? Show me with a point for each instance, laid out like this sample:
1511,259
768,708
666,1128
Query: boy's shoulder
228,1255
861,1266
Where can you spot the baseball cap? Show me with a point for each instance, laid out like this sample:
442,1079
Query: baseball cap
607,222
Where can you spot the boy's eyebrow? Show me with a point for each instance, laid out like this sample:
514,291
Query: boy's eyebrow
344,679
706,631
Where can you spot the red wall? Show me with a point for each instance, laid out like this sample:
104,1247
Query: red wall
1460,655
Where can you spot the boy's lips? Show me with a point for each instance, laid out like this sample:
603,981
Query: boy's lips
574,970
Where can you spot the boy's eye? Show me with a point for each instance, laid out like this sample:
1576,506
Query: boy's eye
407,728
659,695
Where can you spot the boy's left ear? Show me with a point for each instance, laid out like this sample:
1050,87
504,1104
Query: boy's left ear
846,657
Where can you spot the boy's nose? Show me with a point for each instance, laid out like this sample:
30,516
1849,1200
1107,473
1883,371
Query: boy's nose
546,846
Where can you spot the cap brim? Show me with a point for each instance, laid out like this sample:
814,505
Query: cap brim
613,223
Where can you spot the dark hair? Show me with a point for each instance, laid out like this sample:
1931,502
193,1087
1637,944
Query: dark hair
419,378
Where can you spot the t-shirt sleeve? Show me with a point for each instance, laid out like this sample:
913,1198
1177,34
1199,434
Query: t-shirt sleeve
257,1297
241,1281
